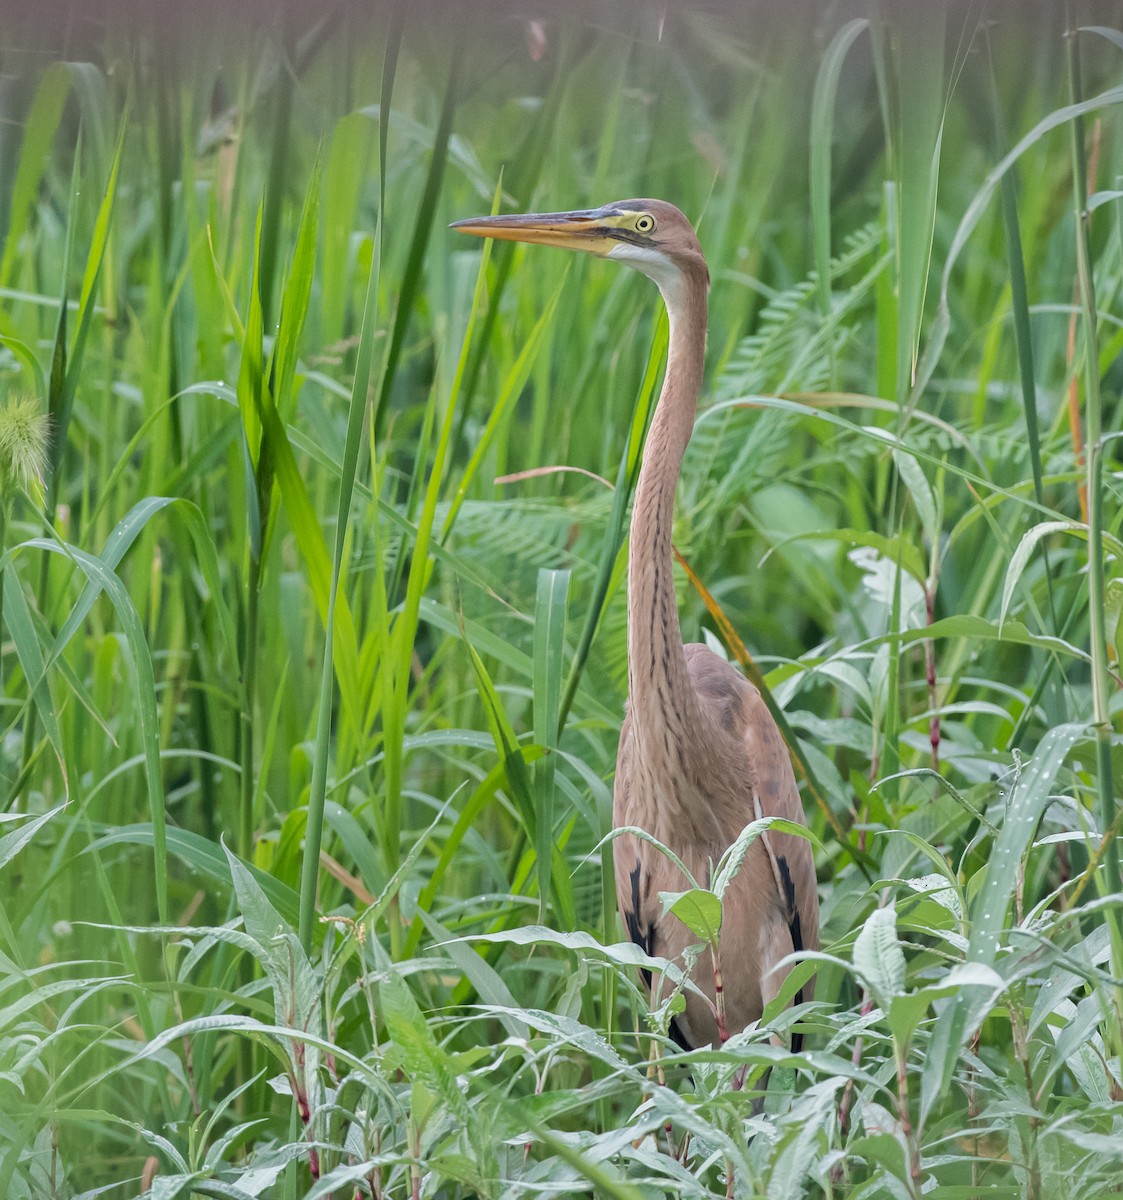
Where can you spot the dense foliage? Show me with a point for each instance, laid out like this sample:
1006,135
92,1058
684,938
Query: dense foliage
313,663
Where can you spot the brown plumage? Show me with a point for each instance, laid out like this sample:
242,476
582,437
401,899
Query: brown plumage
700,755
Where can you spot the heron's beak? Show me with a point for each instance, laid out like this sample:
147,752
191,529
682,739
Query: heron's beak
589,229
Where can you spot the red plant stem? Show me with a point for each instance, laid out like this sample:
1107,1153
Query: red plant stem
906,1124
719,997
855,1059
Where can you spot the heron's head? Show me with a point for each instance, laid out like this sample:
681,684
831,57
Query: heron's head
651,236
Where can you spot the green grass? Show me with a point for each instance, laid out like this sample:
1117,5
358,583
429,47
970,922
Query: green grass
282,643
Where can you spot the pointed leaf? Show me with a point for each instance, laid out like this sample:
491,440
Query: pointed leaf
878,958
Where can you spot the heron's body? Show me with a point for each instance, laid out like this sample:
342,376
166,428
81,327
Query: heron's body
736,770
700,755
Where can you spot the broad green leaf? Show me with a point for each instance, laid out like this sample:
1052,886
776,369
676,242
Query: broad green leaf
895,549
420,1055
923,496
624,954
1031,795
878,958
732,860
1021,556
699,910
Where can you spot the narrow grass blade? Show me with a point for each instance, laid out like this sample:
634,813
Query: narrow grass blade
405,627
422,228
94,261
38,133
356,417
17,615
974,211
144,683
823,102
294,300
549,665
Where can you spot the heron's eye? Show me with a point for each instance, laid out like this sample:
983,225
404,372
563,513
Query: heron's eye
644,223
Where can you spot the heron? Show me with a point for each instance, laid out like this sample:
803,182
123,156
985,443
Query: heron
700,754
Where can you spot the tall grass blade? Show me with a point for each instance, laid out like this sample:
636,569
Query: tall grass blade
549,668
422,229
30,655
1094,449
356,418
38,134
823,102
144,684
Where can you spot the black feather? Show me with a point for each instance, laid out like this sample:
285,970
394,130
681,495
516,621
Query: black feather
677,1036
646,942
631,919
794,929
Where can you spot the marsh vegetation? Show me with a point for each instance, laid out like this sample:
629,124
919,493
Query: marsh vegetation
313,658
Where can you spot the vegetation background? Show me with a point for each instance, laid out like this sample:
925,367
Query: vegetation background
313,663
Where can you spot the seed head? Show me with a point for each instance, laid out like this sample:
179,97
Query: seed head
24,430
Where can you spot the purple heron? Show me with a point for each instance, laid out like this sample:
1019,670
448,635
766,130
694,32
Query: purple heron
700,755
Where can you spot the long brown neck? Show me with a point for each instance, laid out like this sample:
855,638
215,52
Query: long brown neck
662,700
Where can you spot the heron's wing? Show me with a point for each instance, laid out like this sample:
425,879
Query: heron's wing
775,794
639,869
738,770
772,908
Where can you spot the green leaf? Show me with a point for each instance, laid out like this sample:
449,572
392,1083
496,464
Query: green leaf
731,861
623,954
39,130
144,685
294,300
202,855
698,909
12,843
425,212
1031,795
651,840
60,416
420,1055
823,100
895,549
940,327
506,744
923,497
251,375
348,669
1025,547
549,667
22,628
878,958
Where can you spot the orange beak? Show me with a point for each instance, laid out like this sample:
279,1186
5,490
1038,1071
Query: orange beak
587,229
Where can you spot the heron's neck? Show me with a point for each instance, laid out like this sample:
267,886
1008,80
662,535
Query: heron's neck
662,700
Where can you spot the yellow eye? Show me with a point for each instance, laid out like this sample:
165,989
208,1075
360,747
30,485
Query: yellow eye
645,223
